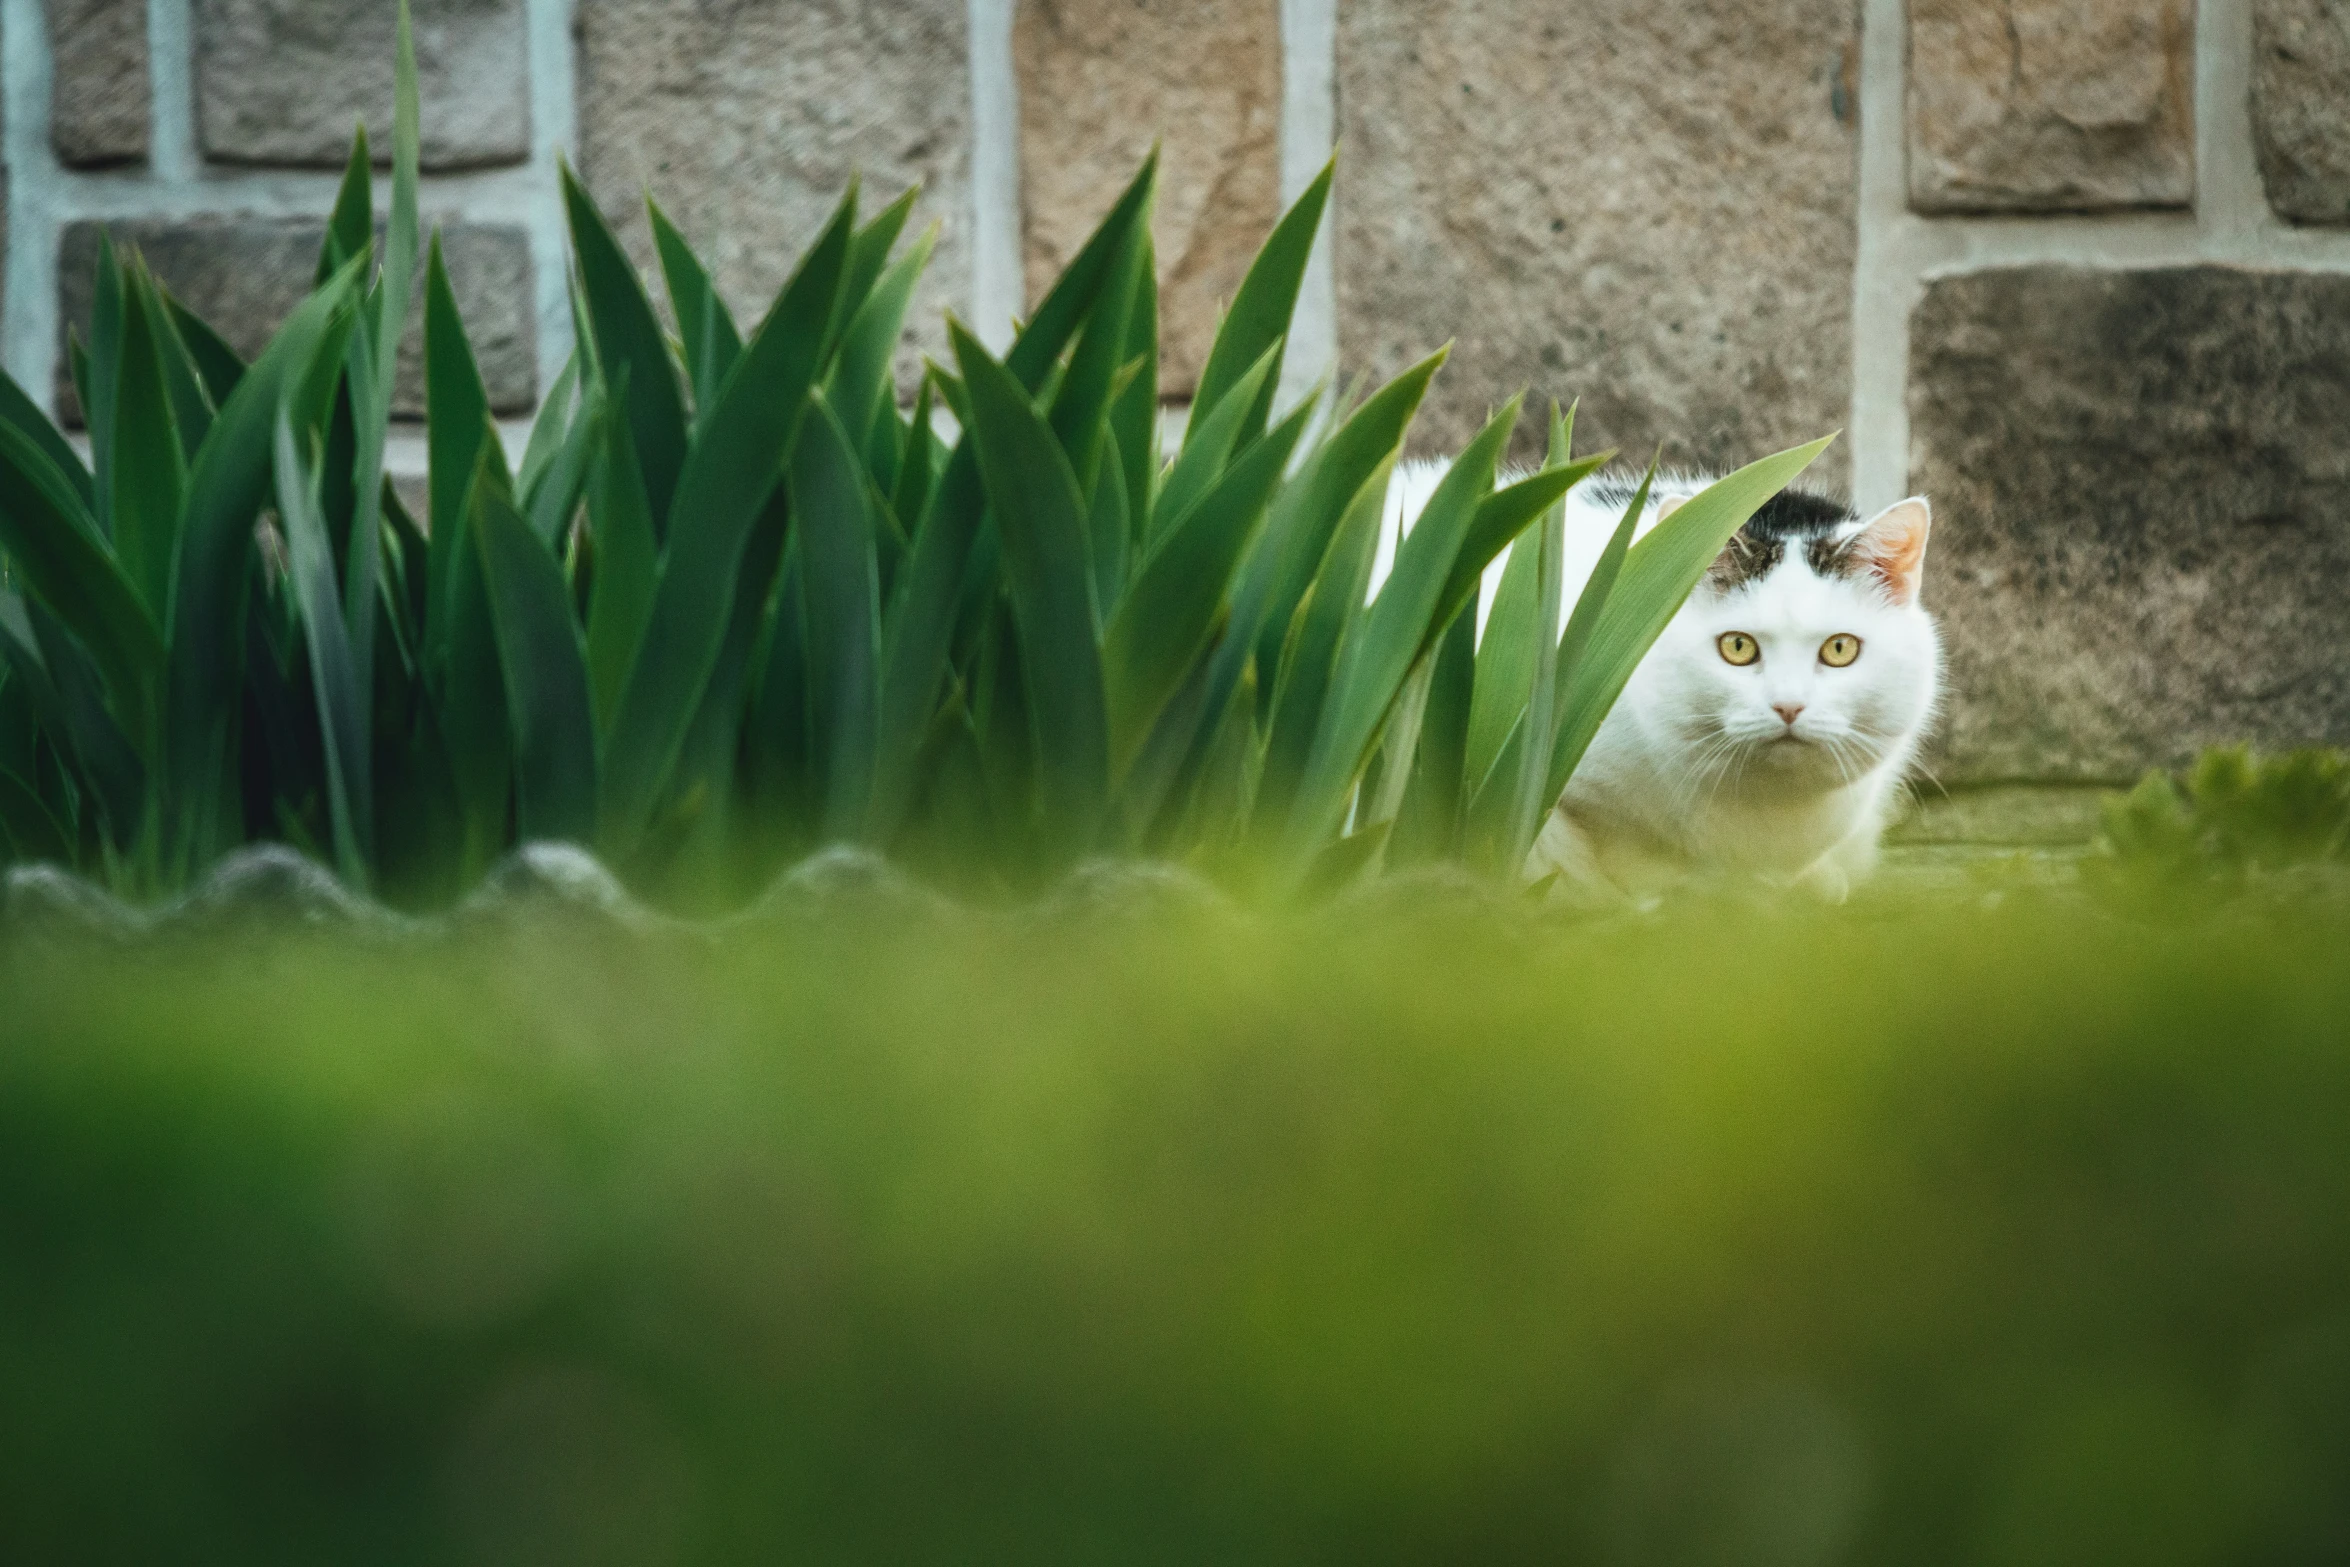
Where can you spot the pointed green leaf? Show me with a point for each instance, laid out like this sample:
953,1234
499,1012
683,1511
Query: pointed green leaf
552,498
558,417
1042,518
227,487
190,396
1499,520
1539,728
220,366
910,495
147,462
621,322
456,425
627,563
840,608
1075,292
860,385
1515,642
1397,627
53,547
736,463
345,717
1207,446
544,668
1134,417
27,418
1258,322
704,326
103,364
1167,618
1308,512
65,689
1312,698
1081,401
350,230
1109,531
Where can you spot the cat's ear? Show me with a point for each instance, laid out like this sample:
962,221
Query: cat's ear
1669,505
1892,546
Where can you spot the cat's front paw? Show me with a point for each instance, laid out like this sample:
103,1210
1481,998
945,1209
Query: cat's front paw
1827,881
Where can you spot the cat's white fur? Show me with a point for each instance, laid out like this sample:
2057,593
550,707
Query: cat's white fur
1695,776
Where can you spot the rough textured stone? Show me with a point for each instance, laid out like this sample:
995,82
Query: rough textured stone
51,901
2051,105
2301,106
1100,80
847,885
1649,206
2142,537
557,883
98,95
747,118
245,275
284,81
272,885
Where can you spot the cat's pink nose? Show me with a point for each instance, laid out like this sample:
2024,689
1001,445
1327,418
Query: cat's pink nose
1790,711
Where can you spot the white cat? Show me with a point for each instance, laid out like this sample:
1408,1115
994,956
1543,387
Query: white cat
1770,731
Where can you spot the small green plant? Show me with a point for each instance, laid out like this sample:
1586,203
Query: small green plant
2234,816
736,603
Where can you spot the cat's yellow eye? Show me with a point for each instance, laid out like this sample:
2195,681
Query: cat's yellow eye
1840,650
1739,648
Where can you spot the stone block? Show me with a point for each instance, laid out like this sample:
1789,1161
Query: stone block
2301,106
245,275
1100,80
747,118
98,95
286,81
1651,207
2141,534
2051,105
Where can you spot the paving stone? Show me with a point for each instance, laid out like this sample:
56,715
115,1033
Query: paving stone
285,81
245,275
747,118
1648,206
2141,537
2051,105
1100,80
98,95
2301,106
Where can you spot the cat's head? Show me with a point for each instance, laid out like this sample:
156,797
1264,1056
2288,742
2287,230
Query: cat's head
1805,658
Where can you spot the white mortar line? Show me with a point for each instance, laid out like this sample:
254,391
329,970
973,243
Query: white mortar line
28,316
999,288
484,195
554,136
1309,129
171,83
2229,201
1885,283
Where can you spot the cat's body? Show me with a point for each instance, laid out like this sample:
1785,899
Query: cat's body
1770,732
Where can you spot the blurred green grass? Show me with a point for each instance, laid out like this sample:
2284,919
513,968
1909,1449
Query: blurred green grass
1920,1233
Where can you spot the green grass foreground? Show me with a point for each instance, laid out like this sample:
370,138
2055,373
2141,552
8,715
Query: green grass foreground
1949,1236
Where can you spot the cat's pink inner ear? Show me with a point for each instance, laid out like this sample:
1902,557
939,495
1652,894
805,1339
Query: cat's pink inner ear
1894,545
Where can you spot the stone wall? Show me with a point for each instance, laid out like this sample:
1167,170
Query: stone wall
2075,268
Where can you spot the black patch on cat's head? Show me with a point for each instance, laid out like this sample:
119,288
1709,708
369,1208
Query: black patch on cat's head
1791,519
